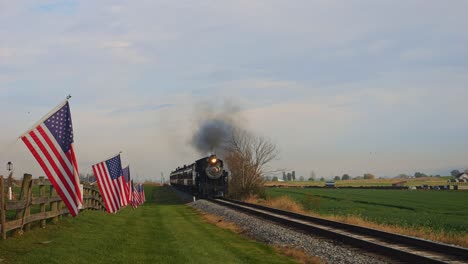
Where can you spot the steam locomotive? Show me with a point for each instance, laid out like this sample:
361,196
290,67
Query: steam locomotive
204,178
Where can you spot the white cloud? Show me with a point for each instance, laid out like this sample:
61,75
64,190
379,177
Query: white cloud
6,52
420,54
116,44
116,9
260,84
380,46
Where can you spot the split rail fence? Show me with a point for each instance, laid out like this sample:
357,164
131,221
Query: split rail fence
38,202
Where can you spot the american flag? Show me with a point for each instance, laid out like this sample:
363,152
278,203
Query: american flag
121,189
134,194
139,194
51,143
107,174
126,174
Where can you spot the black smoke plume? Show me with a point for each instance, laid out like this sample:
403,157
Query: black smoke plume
215,127
212,135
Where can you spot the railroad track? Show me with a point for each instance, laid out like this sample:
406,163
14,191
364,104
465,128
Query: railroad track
404,248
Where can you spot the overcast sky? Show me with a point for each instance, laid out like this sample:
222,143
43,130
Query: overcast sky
340,86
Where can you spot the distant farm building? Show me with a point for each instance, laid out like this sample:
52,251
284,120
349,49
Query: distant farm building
460,182
462,176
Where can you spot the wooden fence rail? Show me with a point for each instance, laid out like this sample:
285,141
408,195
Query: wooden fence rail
35,204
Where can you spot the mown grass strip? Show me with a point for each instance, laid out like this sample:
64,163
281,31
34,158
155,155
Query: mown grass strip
162,231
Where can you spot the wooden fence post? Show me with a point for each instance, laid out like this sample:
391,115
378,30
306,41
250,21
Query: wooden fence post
85,200
95,200
96,203
2,207
54,205
92,201
101,203
42,194
24,196
59,209
27,209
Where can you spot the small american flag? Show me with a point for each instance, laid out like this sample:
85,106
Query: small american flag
139,194
107,176
126,184
51,144
126,173
134,194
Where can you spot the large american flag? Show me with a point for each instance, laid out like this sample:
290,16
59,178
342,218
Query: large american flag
126,174
51,143
107,174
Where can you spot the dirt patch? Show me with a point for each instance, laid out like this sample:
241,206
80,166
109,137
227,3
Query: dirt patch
220,222
298,255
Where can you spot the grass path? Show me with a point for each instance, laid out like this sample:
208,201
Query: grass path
161,231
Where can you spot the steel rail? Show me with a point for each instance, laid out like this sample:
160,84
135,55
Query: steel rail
404,248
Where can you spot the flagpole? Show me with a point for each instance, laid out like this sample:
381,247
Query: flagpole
46,116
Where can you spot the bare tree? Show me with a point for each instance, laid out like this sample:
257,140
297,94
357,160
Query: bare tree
247,157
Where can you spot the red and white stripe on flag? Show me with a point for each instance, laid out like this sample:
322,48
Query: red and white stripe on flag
138,195
135,196
108,187
128,189
127,180
109,178
123,191
51,143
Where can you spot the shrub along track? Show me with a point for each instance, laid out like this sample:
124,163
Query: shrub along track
403,248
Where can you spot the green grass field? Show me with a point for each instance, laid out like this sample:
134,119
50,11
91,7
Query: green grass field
374,182
162,231
445,211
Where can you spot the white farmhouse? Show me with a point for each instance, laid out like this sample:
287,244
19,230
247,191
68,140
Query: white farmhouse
462,176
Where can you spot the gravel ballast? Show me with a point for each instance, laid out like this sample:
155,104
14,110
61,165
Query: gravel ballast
274,234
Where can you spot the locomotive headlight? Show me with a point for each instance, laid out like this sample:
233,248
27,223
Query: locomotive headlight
213,159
